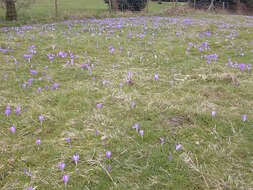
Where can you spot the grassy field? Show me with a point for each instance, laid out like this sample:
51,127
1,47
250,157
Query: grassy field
44,10
169,97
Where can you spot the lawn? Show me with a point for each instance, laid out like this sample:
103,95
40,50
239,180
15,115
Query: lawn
44,10
127,103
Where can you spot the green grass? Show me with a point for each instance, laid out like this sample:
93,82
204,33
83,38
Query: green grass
44,11
216,152
155,7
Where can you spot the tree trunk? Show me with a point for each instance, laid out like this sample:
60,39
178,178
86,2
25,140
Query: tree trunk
11,13
238,3
56,8
211,6
114,5
175,3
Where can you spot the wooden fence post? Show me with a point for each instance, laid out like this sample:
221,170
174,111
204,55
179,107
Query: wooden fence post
147,6
11,13
56,8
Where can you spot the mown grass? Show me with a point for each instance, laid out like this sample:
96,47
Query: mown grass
44,11
123,56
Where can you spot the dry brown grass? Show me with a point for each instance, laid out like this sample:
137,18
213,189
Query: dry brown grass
187,10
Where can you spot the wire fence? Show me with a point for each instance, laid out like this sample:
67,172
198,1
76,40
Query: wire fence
205,4
46,9
39,10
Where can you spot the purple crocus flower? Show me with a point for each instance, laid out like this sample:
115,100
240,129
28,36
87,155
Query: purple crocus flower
136,127
30,80
178,146
13,129
213,113
109,168
65,179
141,133
41,118
171,83
75,158
87,66
30,188
56,85
18,109
242,67
68,139
28,57
244,117
7,110
170,157
133,104
32,47
34,72
108,154
62,165
162,140
156,76
99,106
38,142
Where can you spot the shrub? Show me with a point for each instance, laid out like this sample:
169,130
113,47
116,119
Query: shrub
248,3
131,5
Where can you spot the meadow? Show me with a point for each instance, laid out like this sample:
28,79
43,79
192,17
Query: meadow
142,102
43,11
